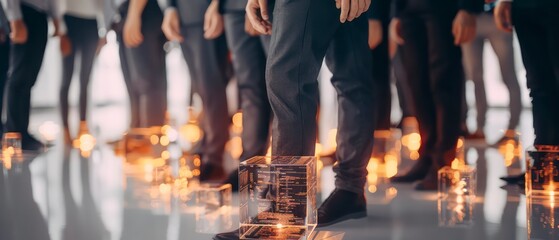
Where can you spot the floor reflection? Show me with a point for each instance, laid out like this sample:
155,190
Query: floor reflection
67,194
21,216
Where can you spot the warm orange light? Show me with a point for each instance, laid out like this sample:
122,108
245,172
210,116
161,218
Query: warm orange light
165,154
154,139
238,120
373,188
414,142
197,162
317,149
414,155
164,140
235,146
390,165
191,132
86,142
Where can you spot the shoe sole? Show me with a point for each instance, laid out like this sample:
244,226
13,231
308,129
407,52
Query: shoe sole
357,215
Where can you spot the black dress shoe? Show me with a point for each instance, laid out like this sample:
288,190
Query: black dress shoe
332,212
31,144
514,179
233,179
211,172
417,172
234,235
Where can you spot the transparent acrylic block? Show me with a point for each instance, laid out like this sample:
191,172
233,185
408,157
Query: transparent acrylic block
213,208
456,190
511,150
145,142
543,218
277,197
542,177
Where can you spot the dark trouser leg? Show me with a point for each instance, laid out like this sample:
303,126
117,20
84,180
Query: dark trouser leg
538,41
404,95
249,62
356,101
89,51
447,82
381,78
25,63
67,73
132,95
4,64
148,69
206,61
83,37
302,32
414,56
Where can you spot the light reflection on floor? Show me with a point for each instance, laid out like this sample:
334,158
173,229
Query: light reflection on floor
63,195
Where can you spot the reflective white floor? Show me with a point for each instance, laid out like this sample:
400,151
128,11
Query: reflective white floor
61,195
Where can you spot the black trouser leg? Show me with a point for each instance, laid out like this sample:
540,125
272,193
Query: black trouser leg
249,62
83,37
381,78
25,62
538,37
303,31
404,95
207,61
4,64
435,76
67,73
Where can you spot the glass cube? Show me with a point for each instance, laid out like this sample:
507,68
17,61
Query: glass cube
211,197
456,190
542,178
145,142
213,208
511,150
277,197
543,218
11,144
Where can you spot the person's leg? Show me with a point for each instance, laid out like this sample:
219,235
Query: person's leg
349,61
552,40
88,52
502,44
4,64
539,73
67,73
404,95
300,36
205,60
473,65
25,63
446,78
132,95
381,79
249,62
147,69
414,55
